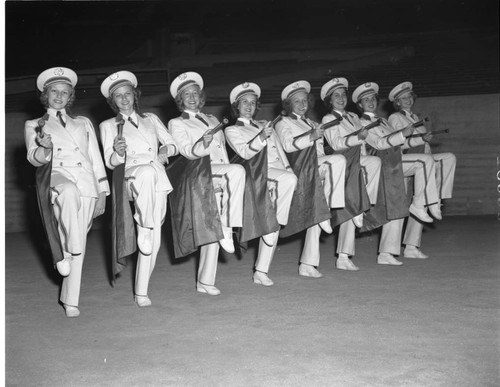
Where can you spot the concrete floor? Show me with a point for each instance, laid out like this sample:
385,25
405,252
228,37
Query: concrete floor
429,322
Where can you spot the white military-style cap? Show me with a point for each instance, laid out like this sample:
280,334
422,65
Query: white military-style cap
368,88
56,75
333,84
295,87
399,90
244,89
184,80
117,80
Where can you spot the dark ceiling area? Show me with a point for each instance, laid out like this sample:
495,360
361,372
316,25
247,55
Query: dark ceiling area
446,47
94,34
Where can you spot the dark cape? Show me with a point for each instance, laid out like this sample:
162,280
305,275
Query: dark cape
309,205
259,213
49,220
392,202
356,196
123,227
194,213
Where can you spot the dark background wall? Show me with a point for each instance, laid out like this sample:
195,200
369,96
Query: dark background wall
448,49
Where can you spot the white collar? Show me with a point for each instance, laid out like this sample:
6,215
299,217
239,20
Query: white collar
53,112
245,120
133,116
192,114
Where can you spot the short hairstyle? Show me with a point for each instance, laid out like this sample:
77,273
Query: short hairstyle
287,104
235,113
397,105
180,105
44,98
137,96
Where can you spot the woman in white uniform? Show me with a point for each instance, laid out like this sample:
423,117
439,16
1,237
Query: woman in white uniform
141,144
382,137
342,137
403,99
247,138
193,134
75,188
297,132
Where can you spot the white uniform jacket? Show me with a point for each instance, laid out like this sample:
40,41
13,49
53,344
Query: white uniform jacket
142,145
401,120
244,139
75,155
188,130
382,136
338,135
293,133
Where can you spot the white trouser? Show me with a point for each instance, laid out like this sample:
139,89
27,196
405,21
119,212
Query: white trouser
146,263
413,232
281,184
422,167
310,253
390,240
446,164
266,254
142,189
332,173
74,215
345,244
445,175
371,166
207,269
230,179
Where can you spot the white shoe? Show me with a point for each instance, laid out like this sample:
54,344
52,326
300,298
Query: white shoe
345,264
211,290
227,244
64,266
414,252
358,220
326,226
145,240
261,278
142,301
435,210
268,239
420,213
309,271
388,259
71,311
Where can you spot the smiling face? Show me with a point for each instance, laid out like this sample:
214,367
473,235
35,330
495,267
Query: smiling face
406,101
191,98
124,99
339,99
369,103
58,95
247,105
300,103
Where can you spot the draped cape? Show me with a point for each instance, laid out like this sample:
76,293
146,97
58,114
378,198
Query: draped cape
356,196
392,202
42,178
194,214
122,224
259,213
309,205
